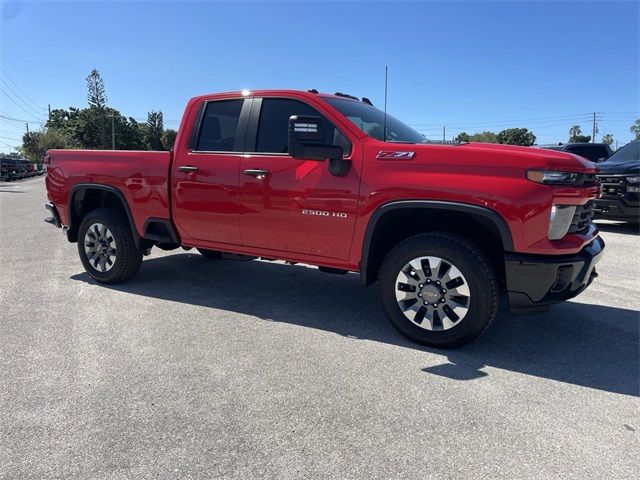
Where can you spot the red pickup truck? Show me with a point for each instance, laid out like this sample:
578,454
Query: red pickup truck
332,181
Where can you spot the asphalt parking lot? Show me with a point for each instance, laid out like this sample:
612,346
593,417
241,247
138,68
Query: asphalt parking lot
209,369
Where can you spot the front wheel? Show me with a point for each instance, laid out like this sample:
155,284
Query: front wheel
106,246
438,289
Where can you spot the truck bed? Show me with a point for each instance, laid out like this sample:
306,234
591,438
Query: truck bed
141,176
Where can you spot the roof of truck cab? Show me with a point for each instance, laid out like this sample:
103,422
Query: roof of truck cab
258,93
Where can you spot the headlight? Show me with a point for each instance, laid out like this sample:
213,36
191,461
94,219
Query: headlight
635,179
560,221
552,177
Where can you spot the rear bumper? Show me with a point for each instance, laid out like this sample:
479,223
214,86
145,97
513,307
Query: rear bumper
54,219
535,282
617,209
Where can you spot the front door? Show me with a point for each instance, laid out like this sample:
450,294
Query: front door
294,205
205,181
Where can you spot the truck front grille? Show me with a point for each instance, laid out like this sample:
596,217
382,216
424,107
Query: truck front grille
612,186
582,218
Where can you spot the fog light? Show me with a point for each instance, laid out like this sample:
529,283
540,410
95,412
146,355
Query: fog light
560,221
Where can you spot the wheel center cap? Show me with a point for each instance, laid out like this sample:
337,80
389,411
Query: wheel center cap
430,293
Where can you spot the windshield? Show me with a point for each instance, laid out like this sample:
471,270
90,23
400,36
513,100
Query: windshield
628,153
371,121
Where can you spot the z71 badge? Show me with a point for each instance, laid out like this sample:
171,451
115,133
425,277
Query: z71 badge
324,213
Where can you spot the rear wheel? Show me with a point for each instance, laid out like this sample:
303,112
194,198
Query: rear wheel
438,289
106,246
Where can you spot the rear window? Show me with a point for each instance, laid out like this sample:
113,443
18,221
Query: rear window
219,126
592,152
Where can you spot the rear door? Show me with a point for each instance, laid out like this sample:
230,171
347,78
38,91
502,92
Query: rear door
294,205
205,181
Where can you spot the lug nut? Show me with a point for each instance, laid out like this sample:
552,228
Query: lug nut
426,303
428,280
435,305
437,282
421,285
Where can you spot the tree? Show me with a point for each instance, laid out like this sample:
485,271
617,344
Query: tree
486,137
574,132
607,138
154,131
635,129
169,138
96,92
462,137
516,136
575,135
35,144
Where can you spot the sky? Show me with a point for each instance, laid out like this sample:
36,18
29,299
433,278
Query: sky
466,66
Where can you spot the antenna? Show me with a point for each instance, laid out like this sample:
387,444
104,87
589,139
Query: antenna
384,135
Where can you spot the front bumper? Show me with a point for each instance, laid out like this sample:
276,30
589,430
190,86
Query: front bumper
535,282
617,209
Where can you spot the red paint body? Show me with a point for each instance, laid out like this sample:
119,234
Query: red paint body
220,208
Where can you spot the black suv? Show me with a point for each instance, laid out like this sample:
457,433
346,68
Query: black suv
595,152
620,179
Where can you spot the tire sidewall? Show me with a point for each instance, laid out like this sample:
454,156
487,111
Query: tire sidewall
481,304
113,225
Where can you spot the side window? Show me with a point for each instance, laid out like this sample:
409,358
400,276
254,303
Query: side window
218,130
274,123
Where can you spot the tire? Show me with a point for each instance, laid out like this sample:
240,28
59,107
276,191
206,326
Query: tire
210,254
97,246
468,290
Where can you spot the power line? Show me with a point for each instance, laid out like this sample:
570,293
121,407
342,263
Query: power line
20,90
10,138
16,103
18,97
12,146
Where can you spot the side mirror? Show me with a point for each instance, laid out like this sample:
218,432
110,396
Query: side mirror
306,139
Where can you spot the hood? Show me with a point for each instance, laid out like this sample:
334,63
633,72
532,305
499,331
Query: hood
619,168
478,154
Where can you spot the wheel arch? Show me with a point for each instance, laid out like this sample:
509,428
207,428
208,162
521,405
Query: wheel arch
85,197
386,228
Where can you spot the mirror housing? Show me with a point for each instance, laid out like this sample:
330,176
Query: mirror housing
306,139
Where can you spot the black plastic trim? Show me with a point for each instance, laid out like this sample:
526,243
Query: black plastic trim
535,281
72,232
474,210
172,238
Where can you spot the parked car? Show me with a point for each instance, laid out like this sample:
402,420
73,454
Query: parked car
9,169
331,181
595,152
620,179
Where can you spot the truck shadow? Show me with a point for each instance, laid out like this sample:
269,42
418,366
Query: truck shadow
619,227
589,345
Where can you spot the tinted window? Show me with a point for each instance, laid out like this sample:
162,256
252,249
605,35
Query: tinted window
628,153
592,153
274,124
218,131
372,122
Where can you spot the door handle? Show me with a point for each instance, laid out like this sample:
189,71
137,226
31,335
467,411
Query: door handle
256,172
187,168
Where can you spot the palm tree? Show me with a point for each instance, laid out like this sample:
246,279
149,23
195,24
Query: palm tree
574,132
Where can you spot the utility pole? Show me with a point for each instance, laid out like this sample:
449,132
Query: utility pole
49,112
113,130
593,131
444,133
27,125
